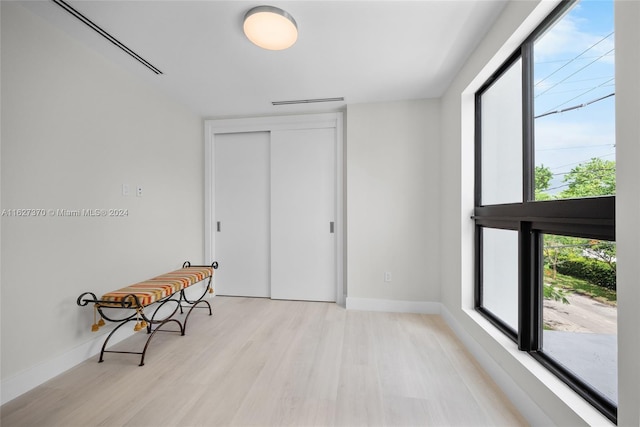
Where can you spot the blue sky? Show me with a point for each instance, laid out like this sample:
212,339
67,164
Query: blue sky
574,64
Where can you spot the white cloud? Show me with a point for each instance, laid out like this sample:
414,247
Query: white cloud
570,37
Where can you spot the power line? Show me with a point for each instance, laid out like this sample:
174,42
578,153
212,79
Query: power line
590,170
582,161
590,79
603,84
557,188
573,245
574,73
602,174
562,60
581,89
578,56
574,147
563,185
575,107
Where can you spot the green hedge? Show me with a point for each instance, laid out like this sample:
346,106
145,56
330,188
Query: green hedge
591,270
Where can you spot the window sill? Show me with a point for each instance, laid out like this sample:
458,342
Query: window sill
501,358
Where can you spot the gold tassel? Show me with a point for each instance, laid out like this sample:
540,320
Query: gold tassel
143,323
138,325
210,290
101,322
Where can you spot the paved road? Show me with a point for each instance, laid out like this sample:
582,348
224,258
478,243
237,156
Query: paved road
582,314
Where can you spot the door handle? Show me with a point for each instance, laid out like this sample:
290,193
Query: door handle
218,227
331,226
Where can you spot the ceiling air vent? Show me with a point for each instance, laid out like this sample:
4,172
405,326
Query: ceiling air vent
307,101
66,6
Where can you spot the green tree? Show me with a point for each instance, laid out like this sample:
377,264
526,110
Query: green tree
603,251
557,248
554,293
594,178
555,251
543,177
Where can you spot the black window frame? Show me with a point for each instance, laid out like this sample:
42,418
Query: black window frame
592,218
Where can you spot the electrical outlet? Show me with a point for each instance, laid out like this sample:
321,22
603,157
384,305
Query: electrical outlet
387,276
139,191
126,191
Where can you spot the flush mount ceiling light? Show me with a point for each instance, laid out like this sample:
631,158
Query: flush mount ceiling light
270,28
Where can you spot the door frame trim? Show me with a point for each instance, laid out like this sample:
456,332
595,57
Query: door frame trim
268,124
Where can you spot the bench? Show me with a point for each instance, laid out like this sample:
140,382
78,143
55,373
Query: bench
142,303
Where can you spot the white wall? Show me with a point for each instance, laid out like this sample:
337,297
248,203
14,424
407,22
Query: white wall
392,201
74,129
550,401
627,17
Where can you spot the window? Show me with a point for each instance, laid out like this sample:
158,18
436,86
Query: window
579,313
502,138
500,275
545,198
573,95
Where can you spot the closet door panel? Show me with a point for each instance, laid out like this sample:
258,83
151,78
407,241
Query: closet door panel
242,197
303,208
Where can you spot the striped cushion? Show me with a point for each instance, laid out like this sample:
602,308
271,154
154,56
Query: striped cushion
160,287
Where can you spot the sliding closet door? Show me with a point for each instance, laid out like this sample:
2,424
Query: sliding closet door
303,212
241,222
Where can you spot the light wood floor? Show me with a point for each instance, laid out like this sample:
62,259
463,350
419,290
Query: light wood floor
263,362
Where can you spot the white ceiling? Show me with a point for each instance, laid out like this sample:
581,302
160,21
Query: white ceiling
364,51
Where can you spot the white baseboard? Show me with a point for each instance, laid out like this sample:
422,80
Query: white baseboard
393,306
26,380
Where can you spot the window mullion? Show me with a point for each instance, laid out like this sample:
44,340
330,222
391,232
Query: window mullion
528,160
527,329
478,151
479,256
537,291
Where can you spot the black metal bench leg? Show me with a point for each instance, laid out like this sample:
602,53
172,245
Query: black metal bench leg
106,340
186,319
144,351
